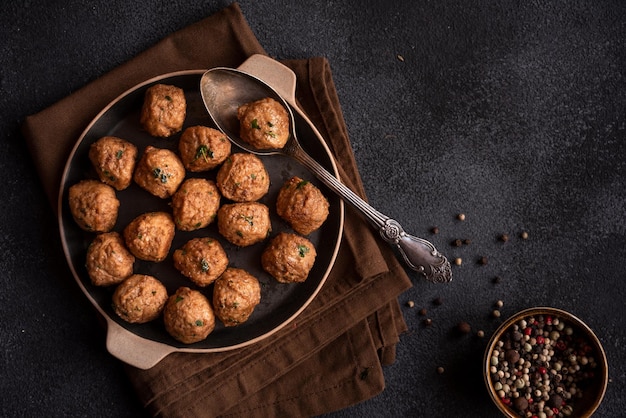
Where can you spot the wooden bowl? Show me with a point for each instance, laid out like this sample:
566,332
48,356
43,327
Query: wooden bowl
567,350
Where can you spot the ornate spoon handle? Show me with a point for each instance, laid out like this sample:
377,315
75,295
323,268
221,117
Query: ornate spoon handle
419,254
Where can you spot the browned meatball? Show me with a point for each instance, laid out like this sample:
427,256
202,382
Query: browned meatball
264,124
139,299
188,316
159,171
244,224
195,204
108,260
114,160
243,178
302,205
164,110
235,295
202,260
202,148
289,258
149,236
94,205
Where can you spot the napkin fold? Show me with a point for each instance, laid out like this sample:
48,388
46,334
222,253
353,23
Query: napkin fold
331,355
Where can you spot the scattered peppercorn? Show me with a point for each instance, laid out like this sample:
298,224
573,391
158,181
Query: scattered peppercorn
456,243
422,312
410,304
496,279
499,304
400,58
495,313
463,327
467,241
524,235
440,370
428,322
504,237
460,216
482,260
434,230
458,261
480,333
438,301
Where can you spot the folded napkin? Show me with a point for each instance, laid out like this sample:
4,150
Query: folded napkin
331,356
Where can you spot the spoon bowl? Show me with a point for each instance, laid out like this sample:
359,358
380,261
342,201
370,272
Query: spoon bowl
224,90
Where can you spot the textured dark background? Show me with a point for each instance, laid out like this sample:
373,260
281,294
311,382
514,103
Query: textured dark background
510,112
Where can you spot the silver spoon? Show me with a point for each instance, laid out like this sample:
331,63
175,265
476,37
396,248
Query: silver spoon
223,90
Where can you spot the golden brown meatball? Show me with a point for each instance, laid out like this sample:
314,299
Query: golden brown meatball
149,236
264,124
164,110
202,148
159,171
114,160
195,204
94,205
188,316
108,260
289,258
302,205
202,260
243,178
235,295
139,299
244,224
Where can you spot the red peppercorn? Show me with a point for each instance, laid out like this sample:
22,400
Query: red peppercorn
560,345
528,331
540,340
542,370
506,401
549,320
555,410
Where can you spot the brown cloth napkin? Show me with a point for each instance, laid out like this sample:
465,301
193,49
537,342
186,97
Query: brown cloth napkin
331,356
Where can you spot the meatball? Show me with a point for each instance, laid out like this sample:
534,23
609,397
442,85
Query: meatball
164,110
94,205
139,299
264,124
243,178
235,295
159,171
149,236
108,260
114,160
188,316
195,204
289,258
302,205
202,260
244,224
202,148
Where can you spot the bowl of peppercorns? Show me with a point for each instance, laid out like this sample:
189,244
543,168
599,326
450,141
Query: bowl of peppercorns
545,362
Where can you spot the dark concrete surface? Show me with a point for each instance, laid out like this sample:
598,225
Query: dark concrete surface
512,113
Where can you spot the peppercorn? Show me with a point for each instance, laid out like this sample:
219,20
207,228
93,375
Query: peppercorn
524,235
495,313
428,322
463,327
504,237
467,241
497,279
422,312
480,333
410,304
460,216
434,230
458,261
438,301
482,260
456,243
440,370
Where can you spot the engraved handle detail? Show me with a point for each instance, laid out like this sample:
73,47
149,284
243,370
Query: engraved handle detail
419,254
